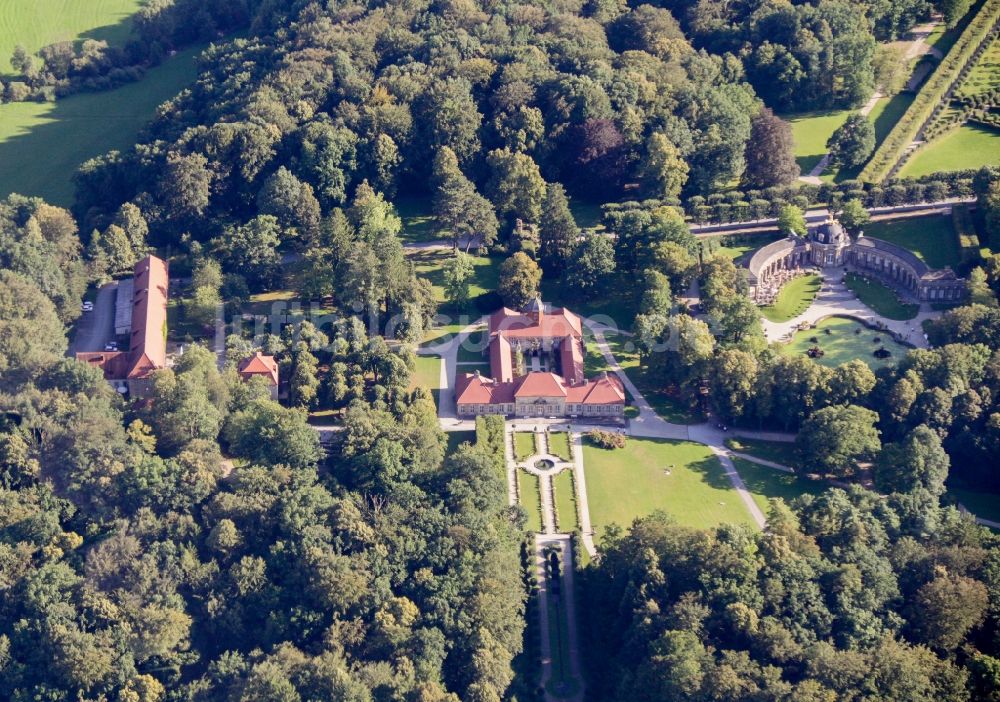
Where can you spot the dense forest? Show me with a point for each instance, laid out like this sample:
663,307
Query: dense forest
202,545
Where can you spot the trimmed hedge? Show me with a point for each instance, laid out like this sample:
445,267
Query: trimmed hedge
934,94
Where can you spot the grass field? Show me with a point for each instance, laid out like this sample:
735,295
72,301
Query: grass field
739,246
37,23
524,445
565,498
843,344
430,265
793,299
613,307
811,130
982,504
778,451
427,373
880,298
932,238
766,483
531,499
883,117
628,483
42,144
969,146
418,222
559,445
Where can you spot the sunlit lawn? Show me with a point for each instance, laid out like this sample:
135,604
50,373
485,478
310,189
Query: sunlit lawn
880,298
932,238
524,445
559,445
969,146
565,499
811,130
431,265
793,299
628,483
531,499
427,373
738,247
848,340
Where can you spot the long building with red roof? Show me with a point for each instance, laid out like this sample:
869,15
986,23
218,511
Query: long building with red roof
536,364
147,351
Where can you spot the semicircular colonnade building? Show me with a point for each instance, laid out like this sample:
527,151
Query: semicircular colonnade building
828,245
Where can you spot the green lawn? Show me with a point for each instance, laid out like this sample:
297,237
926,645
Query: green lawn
531,499
427,373
811,130
472,349
985,75
430,265
767,483
565,498
881,299
524,445
613,307
418,222
736,247
969,146
883,117
587,215
848,339
982,504
793,299
778,451
627,483
37,23
42,144
559,445
932,238
441,334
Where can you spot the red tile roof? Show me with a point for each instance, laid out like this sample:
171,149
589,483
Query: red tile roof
604,390
259,364
147,339
473,389
147,342
541,384
555,324
571,359
501,363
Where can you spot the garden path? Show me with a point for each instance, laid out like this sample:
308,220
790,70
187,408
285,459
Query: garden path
834,298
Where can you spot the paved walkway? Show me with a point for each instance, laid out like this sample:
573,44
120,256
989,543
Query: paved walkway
834,298
448,351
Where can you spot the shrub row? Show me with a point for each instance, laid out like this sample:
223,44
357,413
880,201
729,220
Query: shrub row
934,94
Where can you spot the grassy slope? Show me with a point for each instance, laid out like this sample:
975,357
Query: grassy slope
36,23
793,299
843,344
42,144
932,239
969,146
628,483
810,130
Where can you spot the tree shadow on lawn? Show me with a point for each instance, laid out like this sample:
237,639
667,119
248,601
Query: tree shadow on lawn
712,472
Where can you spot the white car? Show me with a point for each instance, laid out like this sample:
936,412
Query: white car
111,346
87,306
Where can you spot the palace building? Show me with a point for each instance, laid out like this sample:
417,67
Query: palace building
829,245
536,364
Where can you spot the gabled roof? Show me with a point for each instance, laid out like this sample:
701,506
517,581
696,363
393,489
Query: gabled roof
147,342
259,364
473,389
113,363
555,323
501,362
604,390
540,384
571,360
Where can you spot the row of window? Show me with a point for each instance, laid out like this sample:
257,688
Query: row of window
541,410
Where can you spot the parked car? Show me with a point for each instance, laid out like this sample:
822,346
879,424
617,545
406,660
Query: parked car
87,306
111,346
